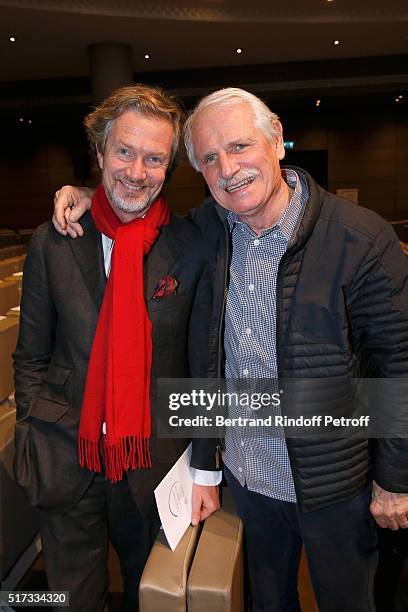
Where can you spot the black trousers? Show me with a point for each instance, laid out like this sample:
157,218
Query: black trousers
75,545
340,543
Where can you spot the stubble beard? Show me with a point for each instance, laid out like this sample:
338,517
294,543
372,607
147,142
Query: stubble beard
133,203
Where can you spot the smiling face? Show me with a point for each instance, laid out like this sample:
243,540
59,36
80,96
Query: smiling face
134,163
239,164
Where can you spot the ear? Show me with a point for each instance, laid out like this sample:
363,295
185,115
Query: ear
99,157
280,149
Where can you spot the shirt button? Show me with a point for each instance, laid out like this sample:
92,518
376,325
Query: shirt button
240,470
256,242
248,331
245,372
242,443
251,288
275,235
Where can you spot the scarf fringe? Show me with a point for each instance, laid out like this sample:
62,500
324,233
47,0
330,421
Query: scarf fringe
89,454
128,453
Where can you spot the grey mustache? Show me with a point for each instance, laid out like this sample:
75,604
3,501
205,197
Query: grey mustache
242,175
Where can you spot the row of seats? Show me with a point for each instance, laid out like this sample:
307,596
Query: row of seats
8,339
11,265
10,291
9,237
14,250
11,277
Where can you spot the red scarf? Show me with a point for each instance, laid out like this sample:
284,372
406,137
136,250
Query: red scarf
117,390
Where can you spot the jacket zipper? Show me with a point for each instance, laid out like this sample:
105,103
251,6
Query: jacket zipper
278,330
224,301
278,337
220,447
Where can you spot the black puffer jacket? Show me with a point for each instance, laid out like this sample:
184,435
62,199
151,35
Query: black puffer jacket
342,311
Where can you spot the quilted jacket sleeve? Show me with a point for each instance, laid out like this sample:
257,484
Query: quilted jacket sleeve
379,319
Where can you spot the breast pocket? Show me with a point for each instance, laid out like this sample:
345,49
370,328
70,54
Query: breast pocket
169,301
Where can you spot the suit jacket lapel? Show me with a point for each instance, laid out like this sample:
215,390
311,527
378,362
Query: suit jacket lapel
88,254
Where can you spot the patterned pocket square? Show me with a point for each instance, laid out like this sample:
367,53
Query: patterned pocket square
166,286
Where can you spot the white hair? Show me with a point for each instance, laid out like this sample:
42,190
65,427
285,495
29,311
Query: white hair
264,119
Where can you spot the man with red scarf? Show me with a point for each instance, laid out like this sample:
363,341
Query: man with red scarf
101,319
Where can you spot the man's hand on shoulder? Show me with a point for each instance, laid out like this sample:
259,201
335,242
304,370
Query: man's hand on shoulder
389,509
205,500
70,203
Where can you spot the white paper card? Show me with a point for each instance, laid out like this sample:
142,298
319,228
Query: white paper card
173,499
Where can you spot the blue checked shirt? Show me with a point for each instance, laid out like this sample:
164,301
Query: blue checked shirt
255,458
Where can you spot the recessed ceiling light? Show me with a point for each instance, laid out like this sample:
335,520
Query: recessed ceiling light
336,42
12,39
21,119
398,99
147,56
400,96
239,50
30,121
317,102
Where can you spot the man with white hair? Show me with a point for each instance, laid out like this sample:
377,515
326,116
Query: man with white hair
306,287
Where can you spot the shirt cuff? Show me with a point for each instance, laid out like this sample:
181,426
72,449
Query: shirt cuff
208,478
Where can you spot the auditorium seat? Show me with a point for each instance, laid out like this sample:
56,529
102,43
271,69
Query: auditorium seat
8,341
11,265
9,295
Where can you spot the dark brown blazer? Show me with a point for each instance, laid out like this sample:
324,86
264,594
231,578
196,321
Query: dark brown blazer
64,282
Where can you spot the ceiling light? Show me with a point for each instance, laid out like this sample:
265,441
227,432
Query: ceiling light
147,56
12,39
21,119
239,50
336,42
317,102
30,121
398,99
401,96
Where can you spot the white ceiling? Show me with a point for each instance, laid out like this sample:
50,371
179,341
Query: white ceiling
53,36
